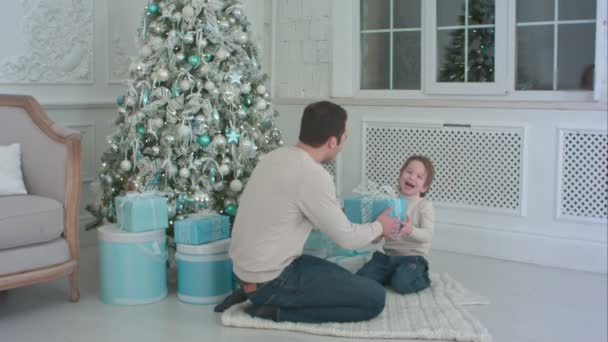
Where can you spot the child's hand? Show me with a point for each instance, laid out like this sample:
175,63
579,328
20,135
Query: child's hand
407,227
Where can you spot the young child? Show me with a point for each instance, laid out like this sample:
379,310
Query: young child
403,264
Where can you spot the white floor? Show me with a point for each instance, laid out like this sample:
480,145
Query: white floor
528,303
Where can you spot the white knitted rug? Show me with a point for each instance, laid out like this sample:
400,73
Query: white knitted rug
436,313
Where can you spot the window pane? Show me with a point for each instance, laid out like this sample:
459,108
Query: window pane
375,14
450,56
375,60
481,55
450,12
575,56
407,14
534,58
406,59
537,10
481,12
577,9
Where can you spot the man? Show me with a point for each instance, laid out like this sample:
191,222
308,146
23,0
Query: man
289,194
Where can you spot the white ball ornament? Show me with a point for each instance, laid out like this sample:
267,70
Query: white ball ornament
188,11
236,185
157,122
125,165
225,169
241,37
222,54
185,85
246,88
163,75
209,86
146,51
184,173
261,104
261,89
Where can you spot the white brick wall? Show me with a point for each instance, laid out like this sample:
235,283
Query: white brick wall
302,56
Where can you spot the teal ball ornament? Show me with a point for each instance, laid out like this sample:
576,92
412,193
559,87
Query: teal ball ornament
208,57
141,129
120,101
204,140
194,60
231,209
152,8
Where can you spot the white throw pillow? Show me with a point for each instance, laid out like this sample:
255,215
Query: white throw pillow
11,178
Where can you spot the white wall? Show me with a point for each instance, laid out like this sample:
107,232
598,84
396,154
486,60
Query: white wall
296,44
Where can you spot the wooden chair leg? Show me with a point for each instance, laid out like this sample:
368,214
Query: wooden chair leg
74,293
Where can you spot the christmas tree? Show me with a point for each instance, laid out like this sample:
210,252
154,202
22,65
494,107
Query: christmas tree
480,66
196,116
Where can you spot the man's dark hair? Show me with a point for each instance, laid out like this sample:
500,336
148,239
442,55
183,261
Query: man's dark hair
321,121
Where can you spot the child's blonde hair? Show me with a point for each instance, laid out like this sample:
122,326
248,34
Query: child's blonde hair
428,165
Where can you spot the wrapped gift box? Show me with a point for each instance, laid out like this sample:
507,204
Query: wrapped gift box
198,230
138,212
366,209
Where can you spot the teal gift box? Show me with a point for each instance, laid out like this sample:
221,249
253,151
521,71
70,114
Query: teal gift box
137,212
197,230
366,209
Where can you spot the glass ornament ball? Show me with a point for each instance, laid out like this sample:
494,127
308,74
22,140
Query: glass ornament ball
146,51
185,85
194,60
261,89
246,88
163,75
184,173
225,169
204,140
209,85
188,12
261,104
126,165
241,37
236,185
241,113
231,210
222,54
220,141
219,186
152,8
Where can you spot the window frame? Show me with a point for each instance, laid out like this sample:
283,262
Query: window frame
346,58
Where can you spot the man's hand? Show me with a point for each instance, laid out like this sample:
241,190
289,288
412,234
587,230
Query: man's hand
390,225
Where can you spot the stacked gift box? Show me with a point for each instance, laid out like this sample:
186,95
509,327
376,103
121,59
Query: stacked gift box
133,252
204,269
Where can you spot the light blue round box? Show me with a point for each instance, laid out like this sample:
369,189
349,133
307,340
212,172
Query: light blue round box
132,266
204,272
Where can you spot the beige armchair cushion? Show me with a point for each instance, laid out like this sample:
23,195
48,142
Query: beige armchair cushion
28,219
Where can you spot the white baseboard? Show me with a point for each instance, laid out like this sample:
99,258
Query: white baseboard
528,248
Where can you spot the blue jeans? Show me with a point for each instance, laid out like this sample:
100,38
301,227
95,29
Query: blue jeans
405,274
314,290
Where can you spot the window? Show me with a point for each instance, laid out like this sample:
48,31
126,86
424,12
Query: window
542,49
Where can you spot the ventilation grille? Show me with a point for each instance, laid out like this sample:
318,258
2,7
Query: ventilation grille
584,174
477,168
